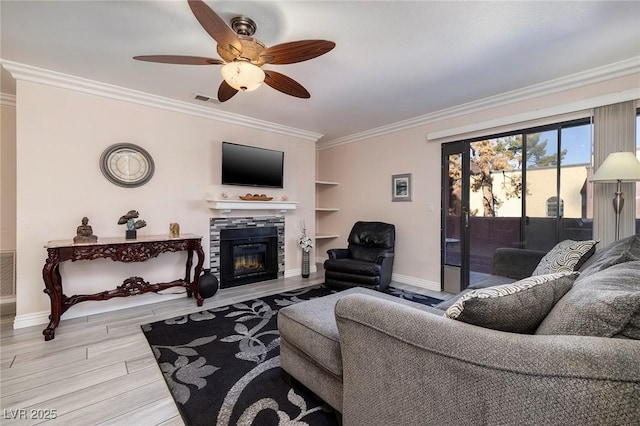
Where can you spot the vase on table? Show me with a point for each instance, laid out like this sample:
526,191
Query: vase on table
305,264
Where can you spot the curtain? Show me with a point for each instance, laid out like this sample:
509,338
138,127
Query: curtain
614,129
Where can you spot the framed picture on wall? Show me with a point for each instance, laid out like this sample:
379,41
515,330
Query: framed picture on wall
401,187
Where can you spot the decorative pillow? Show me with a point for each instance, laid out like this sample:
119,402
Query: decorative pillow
624,250
519,307
605,304
567,255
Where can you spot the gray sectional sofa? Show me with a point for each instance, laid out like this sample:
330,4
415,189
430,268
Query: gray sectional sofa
378,359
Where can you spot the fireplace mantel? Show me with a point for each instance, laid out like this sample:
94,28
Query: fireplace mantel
226,206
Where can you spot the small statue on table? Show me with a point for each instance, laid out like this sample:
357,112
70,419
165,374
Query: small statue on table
132,224
84,233
174,230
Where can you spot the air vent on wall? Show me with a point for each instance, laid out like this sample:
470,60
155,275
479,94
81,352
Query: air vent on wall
205,98
7,274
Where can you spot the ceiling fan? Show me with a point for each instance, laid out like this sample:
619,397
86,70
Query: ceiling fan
243,56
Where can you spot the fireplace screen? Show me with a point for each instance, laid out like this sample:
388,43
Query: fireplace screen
248,255
249,258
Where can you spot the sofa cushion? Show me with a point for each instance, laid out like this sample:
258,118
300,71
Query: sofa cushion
624,250
604,304
310,326
515,263
519,307
490,281
567,255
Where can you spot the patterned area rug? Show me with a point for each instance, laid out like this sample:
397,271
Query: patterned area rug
222,365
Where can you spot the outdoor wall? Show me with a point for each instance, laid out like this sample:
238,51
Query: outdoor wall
61,135
364,167
541,185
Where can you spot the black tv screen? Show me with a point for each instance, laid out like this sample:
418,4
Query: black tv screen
251,166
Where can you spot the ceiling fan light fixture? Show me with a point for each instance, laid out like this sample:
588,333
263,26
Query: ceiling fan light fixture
243,75
243,56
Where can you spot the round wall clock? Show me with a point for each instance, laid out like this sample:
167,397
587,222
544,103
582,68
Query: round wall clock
127,165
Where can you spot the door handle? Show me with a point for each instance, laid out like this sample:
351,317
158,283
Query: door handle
465,215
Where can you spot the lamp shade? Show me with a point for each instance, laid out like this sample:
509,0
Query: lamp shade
243,75
618,166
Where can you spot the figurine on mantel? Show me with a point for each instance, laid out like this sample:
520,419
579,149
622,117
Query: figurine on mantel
132,224
84,233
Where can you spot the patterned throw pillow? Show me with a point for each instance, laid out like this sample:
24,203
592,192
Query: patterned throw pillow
519,307
567,255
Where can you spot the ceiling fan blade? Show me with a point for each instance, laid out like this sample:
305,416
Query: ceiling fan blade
177,59
285,84
215,26
225,92
296,51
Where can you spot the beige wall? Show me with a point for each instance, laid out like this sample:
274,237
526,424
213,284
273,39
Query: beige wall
61,134
364,171
7,177
364,168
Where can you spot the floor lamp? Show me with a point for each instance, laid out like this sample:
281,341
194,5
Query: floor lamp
618,167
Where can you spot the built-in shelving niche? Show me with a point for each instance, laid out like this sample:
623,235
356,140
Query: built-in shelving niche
321,211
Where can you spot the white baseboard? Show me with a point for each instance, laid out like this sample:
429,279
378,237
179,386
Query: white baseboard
29,320
92,308
298,271
417,282
405,279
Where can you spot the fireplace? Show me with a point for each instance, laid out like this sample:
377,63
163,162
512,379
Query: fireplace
253,223
248,255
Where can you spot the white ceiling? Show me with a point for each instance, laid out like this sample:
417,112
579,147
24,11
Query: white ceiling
394,60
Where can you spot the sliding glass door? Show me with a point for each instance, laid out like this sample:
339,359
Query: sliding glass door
526,189
455,215
558,198
543,205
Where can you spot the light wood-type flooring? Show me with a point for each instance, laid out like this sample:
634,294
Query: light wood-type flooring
100,370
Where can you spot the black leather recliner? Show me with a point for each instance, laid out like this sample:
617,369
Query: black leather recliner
367,262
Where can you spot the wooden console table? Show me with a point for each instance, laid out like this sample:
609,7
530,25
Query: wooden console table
120,250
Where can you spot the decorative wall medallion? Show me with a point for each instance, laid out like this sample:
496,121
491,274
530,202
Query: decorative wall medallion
127,165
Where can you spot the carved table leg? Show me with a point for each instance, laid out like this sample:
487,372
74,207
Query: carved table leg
53,287
195,285
187,274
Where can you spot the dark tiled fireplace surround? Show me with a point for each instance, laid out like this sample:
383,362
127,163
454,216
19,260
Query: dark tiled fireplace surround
241,228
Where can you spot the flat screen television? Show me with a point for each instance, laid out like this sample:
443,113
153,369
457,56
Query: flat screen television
251,166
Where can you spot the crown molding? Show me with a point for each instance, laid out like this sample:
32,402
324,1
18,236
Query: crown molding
581,105
56,79
581,79
7,99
